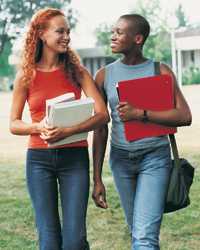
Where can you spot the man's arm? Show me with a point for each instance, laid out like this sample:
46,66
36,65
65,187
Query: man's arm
99,147
180,115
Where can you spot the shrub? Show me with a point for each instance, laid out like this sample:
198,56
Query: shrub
191,76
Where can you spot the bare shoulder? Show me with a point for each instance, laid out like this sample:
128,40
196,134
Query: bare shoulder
166,69
18,82
84,69
85,73
19,75
19,78
100,77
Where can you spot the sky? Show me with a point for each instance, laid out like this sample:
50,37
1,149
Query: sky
91,13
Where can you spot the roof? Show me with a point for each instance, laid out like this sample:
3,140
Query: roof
187,32
187,38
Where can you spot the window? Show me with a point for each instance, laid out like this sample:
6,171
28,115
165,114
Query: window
184,54
192,56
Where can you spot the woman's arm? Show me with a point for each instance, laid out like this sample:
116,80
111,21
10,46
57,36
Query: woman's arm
17,126
180,115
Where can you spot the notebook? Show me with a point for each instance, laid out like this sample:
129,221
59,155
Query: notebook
152,93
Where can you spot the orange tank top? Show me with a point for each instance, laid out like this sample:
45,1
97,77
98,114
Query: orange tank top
48,85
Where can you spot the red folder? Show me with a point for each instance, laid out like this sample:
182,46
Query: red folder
152,93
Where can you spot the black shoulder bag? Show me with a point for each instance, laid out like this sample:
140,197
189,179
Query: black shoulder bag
181,177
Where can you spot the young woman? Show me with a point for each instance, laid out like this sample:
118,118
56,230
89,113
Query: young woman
49,69
140,168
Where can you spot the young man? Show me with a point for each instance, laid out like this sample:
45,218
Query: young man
141,168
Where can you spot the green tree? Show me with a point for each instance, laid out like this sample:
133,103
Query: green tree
158,47
158,44
103,34
152,11
6,69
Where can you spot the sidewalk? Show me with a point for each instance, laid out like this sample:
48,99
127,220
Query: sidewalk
14,147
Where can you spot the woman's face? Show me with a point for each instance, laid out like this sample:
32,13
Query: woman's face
123,37
56,37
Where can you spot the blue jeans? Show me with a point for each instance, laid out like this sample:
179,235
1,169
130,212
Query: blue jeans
64,173
142,179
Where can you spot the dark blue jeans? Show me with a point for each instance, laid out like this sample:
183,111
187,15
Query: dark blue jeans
64,173
142,179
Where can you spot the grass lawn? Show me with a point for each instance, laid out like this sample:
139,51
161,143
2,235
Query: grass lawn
106,229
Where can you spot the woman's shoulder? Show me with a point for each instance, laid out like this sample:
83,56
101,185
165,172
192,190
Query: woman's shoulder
84,72
19,78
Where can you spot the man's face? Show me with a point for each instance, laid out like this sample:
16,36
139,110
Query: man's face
123,37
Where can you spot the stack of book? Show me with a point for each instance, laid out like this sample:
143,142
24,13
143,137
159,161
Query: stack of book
65,111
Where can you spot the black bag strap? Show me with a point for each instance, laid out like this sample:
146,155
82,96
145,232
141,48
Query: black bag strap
174,150
171,136
157,68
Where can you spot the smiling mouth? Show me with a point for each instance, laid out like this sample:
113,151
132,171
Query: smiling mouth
112,45
64,44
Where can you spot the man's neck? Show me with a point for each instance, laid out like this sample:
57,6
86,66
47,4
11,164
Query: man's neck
134,57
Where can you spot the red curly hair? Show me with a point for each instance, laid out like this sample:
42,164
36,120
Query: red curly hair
33,48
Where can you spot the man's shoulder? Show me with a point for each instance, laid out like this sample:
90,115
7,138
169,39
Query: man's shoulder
105,68
112,64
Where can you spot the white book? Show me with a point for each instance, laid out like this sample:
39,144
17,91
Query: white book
59,99
70,113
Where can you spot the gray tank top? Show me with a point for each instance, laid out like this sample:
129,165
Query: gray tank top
115,72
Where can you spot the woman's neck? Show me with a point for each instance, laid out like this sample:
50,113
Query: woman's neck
48,62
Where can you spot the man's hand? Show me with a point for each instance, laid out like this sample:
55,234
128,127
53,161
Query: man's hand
99,195
128,112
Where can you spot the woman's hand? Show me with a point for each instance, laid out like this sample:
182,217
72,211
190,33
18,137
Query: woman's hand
53,134
41,126
128,112
99,195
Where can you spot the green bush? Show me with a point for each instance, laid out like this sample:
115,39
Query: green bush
191,76
7,70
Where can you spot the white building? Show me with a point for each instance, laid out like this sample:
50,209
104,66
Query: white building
185,50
